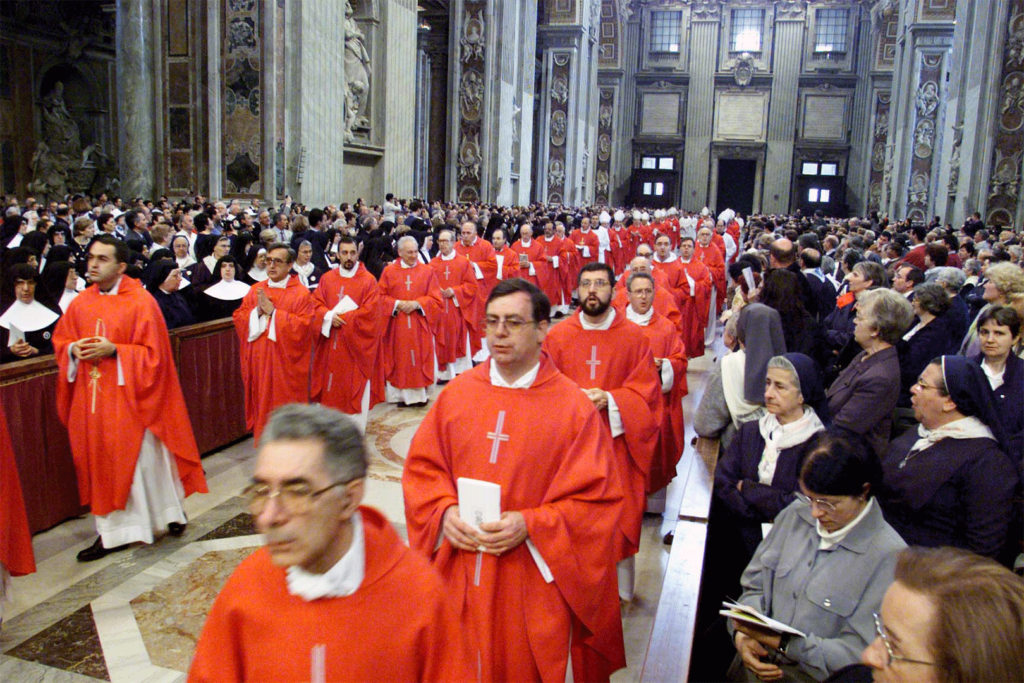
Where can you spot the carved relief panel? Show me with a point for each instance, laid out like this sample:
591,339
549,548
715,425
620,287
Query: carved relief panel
605,131
471,100
1008,142
922,144
242,124
561,66
879,150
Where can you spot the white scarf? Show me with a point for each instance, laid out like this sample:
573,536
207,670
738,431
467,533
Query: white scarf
185,262
304,272
343,579
778,437
828,539
964,428
257,274
228,291
27,317
995,379
733,369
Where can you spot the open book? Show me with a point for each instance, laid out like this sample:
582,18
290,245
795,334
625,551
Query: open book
750,615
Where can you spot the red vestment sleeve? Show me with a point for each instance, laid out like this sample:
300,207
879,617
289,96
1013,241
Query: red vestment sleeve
15,539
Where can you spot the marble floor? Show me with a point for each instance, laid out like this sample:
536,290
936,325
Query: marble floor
134,617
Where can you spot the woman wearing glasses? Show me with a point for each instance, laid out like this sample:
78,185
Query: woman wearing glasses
822,569
948,482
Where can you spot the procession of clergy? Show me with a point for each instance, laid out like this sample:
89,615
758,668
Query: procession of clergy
524,586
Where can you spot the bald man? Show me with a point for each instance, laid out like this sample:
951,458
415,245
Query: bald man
782,255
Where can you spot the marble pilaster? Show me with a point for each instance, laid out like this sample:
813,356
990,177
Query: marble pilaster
397,168
700,105
472,26
136,112
778,171
858,166
422,123
622,166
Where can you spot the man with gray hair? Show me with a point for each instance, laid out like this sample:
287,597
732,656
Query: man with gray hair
411,296
327,560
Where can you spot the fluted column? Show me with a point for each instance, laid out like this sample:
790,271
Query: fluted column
400,25
700,108
136,111
861,139
778,167
622,168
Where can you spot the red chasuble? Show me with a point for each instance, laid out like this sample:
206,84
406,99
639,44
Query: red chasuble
394,627
588,239
619,361
569,264
105,421
482,254
509,264
560,475
664,305
619,240
454,321
712,258
665,344
409,337
346,361
549,278
276,372
15,539
535,255
695,306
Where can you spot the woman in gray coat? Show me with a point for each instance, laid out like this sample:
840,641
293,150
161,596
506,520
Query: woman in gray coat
822,569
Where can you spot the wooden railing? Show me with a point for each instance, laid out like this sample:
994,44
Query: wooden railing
671,646
207,359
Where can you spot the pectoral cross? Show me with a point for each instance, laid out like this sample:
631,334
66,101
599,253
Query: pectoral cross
447,274
497,437
408,283
593,362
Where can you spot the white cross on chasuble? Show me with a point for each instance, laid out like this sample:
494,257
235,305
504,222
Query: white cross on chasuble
593,362
497,437
408,283
447,273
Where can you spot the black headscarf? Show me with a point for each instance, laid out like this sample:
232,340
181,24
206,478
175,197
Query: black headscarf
216,270
35,240
760,329
23,271
11,227
157,273
970,390
58,254
811,386
55,277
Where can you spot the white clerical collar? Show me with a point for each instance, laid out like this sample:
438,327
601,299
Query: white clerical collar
349,273
228,291
671,257
27,317
279,285
257,274
584,231
474,242
450,256
599,326
526,243
682,260
524,382
406,266
113,290
341,580
549,239
641,320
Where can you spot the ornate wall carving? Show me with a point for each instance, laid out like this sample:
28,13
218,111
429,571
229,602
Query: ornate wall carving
472,87
561,65
938,10
791,9
926,109
879,150
1004,182
242,126
608,41
605,128
889,26
705,10
357,78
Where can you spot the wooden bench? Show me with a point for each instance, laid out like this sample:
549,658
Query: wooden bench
671,645
207,358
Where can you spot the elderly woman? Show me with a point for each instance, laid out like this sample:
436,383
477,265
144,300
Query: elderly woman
201,273
1004,281
928,338
307,271
27,315
734,394
163,282
225,292
255,267
948,482
822,569
862,278
180,246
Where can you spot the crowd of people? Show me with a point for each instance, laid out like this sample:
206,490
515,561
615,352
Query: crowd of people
869,398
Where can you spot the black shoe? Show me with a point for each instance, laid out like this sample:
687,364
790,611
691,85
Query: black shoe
669,537
97,552
176,528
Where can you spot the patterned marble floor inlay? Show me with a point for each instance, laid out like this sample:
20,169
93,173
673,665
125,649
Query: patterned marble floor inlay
171,616
72,644
242,525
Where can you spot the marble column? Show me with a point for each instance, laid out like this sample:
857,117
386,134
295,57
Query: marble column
400,25
136,111
622,168
437,152
858,166
700,108
320,120
778,167
422,124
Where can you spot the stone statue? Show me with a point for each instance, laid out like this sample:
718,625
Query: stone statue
49,174
60,132
357,76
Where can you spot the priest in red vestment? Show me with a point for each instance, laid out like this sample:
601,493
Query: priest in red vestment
275,328
348,327
481,253
713,257
549,271
508,260
697,288
16,557
620,245
664,301
334,595
539,581
459,290
570,261
532,250
608,357
412,303
587,243
670,359
118,393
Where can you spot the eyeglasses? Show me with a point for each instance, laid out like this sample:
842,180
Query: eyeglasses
294,499
642,292
277,261
922,386
512,325
892,656
825,505
594,284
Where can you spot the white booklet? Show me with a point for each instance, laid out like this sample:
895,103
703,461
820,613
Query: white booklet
16,335
479,501
750,615
345,305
